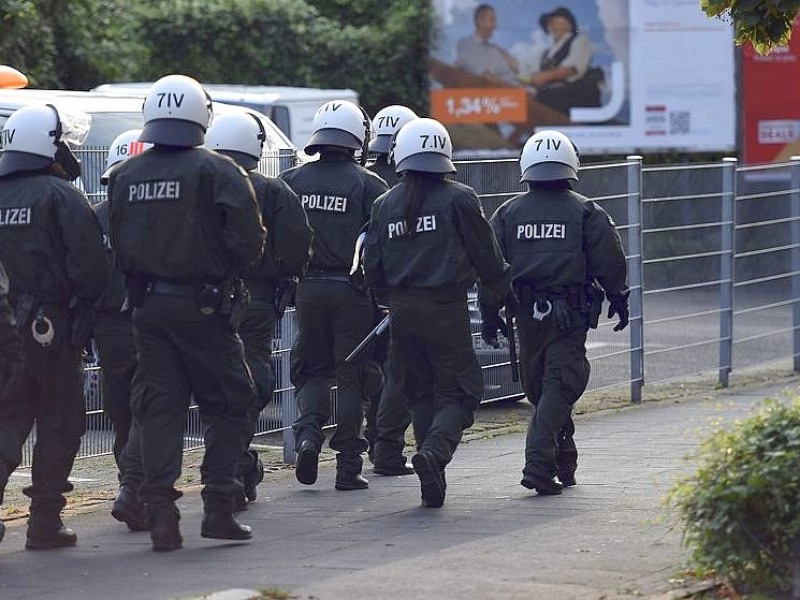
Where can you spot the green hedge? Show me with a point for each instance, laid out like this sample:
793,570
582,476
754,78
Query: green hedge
741,509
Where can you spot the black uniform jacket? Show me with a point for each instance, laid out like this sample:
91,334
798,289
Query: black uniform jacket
555,238
50,240
184,214
337,195
114,295
288,237
384,169
452,245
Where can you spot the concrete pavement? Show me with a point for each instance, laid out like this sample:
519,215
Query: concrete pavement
608,537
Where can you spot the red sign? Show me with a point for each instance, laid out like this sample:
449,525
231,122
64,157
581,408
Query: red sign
771,102
479,105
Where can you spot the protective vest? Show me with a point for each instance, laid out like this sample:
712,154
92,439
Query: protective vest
166,216
556,238
50,241
436,253
337,195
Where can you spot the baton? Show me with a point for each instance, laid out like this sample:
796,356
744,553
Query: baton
512,349
371,337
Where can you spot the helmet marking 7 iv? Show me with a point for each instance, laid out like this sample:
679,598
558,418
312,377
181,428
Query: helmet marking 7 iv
387,122
338,123
177,111
423,145
549,156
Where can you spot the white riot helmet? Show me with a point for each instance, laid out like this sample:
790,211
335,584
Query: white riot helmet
125,145
386,124
36,135
423,145
177,112
549,156
338,123
239,135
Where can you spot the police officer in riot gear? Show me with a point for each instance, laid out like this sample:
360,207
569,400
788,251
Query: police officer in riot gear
52,247
386,124
387,413
184,223
113,336
271,279
428,243
11,366
333,315
560,245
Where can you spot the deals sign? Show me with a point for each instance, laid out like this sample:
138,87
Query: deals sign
617,76
771,102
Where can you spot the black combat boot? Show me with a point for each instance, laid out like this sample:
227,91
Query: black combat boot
127,509
431,480
350,481
399,466
567,478
220,525
307,463
44,534
543,485
164,531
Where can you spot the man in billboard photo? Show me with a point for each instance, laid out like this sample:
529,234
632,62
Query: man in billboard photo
477,55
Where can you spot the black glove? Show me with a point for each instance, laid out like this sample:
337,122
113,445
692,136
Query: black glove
619,306
285,295
566,317
492,323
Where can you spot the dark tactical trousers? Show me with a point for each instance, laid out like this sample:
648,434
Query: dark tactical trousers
332,318
554,373
435,367
392,419
185,355
113,335
257,331
51,397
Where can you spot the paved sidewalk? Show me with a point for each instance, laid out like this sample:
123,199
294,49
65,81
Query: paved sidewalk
609,537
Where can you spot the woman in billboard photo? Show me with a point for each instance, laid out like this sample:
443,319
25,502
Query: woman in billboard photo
565,78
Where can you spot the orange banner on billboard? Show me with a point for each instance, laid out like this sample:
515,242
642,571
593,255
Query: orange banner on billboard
479,105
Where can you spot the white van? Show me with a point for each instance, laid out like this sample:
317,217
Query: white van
292,109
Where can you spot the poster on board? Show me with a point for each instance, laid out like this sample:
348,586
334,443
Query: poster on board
617,76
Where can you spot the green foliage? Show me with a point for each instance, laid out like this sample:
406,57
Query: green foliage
740,509
764,23
380,53
21,22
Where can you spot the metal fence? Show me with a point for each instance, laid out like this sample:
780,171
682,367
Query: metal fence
713,256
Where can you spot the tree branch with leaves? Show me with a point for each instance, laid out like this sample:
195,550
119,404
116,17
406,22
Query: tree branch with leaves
766,24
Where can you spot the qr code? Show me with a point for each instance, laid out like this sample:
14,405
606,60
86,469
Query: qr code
679,122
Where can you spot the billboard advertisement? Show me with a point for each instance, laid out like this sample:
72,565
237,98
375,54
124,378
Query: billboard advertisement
771,102
617,76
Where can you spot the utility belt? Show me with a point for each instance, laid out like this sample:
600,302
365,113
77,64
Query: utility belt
586,299
575,296
38,315
327,275
228,297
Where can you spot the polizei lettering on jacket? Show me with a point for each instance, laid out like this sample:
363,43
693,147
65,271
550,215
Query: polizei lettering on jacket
542,231
15,216
325,203
424,223
148,191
